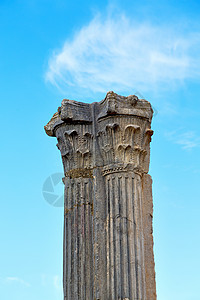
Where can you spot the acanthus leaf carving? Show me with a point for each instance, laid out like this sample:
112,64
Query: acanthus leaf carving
76,149
121,143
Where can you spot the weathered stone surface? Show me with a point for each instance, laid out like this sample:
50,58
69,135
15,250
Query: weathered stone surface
108,243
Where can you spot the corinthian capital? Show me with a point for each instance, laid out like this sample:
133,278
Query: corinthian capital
117,129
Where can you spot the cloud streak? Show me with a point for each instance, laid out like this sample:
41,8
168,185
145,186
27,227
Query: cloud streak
188,140
116,53
17,280
57,282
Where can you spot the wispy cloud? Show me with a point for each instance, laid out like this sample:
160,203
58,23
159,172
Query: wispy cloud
43,279
17,280
187,139
117,53
57,283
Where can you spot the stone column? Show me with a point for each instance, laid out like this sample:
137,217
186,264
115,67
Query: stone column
108,243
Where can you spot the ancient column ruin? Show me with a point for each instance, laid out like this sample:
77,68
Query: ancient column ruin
108,243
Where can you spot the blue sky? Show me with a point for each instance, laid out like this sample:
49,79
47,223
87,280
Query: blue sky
50,50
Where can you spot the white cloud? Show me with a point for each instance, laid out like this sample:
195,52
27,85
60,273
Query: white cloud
57,283
43,279
17,280
187,139
119,54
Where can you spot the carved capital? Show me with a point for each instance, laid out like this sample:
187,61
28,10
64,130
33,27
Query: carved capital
75,146
125,141
114,131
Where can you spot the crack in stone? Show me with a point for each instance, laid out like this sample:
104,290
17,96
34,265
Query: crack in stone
118,216
79,205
